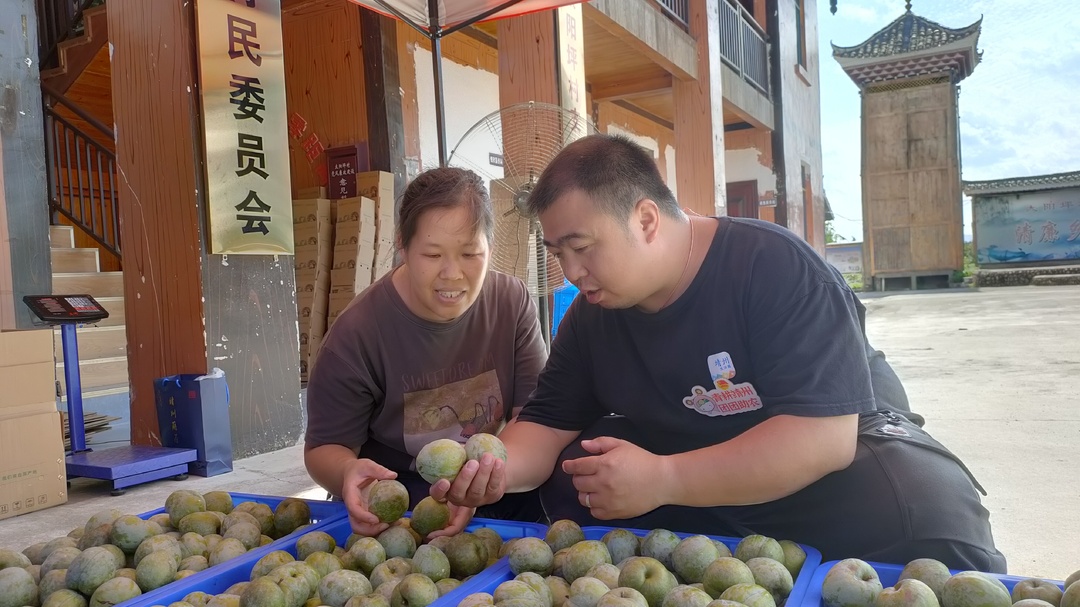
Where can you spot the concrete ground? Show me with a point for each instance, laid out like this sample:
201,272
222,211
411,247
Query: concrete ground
995,371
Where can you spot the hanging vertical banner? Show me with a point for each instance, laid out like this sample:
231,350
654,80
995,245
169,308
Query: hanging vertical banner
245,131
572,60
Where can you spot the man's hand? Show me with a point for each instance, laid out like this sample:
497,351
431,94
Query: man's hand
609,483
356,484
479,483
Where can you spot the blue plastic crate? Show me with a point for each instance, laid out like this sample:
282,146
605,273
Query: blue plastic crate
502,573
563,297
889,575
323,514
239,569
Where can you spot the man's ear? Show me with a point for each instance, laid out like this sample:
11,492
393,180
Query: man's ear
646,219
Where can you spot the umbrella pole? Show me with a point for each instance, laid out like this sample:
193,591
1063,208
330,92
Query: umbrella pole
436,70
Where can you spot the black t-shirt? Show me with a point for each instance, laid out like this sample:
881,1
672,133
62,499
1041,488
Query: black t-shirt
766,328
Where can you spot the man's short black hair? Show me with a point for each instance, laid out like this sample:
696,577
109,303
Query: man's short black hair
612,170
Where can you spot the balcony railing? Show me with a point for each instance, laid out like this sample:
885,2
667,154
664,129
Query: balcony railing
678,10
743,46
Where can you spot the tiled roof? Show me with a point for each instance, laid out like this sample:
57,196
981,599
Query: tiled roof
1023,184
907,34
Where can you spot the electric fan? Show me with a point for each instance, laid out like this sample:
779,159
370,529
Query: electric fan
527,136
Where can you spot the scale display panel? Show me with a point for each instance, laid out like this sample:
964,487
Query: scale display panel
58,309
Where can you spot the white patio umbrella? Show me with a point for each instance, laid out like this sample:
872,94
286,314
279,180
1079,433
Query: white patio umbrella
437,18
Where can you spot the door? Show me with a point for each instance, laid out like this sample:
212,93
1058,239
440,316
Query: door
742,200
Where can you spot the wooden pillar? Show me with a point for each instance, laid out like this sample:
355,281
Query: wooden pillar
26,210
699,118
187,311
382,91
527,59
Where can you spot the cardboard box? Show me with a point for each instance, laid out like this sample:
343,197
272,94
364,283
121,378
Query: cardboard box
32,468
353,209
314,345
378,186
28,384
312,192
311,210
339,301
24,347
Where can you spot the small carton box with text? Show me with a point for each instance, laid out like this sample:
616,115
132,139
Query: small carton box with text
33,474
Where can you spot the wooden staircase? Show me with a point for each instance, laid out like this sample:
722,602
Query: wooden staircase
103,347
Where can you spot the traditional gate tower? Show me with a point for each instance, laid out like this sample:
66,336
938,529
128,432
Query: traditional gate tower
908,76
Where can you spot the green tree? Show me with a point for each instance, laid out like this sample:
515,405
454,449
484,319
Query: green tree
830,234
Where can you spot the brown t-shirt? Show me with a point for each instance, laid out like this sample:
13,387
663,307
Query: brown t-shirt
388,382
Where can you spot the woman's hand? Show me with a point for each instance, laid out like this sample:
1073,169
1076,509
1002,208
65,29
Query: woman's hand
478,483
356,484
460,516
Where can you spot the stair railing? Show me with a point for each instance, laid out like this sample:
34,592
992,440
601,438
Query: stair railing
81,172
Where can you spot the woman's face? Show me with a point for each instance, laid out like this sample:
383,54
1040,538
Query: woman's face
445,265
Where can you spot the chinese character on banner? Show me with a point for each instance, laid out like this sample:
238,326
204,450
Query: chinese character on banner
571,26
250,149
1024,233
253,223
247,95
312,147
239,32
297,126
1048,206
1074,230
1049,232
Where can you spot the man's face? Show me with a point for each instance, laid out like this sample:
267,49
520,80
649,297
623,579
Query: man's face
599,255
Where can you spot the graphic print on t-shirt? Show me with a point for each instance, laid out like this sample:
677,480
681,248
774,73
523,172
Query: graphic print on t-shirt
725,398
455,410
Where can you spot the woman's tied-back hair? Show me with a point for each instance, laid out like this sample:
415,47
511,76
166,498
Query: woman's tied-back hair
613,171
444,188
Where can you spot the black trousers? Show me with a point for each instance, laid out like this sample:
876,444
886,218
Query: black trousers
896,502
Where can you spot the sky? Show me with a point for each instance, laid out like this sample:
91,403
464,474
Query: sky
1019,110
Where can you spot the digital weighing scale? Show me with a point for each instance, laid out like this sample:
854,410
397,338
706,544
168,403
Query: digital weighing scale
124,466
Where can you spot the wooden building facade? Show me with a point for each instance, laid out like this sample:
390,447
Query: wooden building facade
724,92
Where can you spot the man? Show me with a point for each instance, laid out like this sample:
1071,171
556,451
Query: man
746,398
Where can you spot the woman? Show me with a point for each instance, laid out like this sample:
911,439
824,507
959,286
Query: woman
440,347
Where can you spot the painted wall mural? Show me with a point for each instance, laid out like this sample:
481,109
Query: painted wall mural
1025,228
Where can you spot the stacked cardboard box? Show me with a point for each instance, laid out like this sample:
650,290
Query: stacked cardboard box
313,234
363,239
379,187
32,468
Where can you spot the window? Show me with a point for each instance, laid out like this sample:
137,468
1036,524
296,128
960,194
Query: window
800,28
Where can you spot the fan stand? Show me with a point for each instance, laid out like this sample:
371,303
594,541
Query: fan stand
541,289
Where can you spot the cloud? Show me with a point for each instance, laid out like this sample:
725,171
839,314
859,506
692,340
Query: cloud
1018,114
